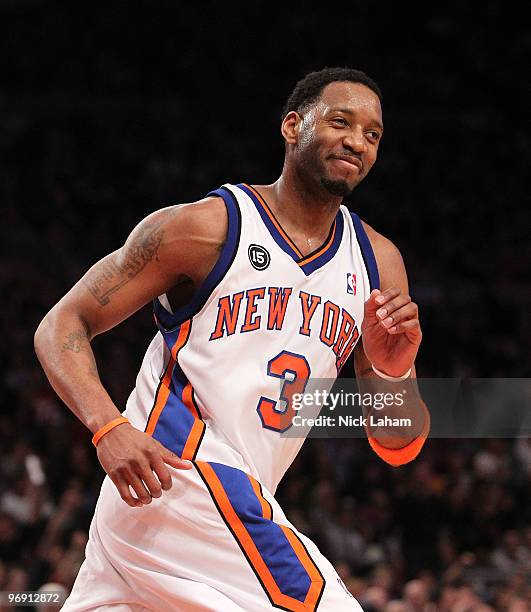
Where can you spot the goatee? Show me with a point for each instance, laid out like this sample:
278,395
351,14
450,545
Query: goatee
336,188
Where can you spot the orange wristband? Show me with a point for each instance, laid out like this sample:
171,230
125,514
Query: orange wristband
107,428
400,456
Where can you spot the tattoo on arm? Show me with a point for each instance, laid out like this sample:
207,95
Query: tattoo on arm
110,276
77,341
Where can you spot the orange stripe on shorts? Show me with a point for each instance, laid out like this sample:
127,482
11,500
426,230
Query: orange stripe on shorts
267,511
253,555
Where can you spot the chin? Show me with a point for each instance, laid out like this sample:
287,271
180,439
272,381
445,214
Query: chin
337,187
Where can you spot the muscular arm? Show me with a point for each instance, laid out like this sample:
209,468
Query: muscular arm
170,245
391,345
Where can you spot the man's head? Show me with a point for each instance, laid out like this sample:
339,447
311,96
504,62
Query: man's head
332,126
416,594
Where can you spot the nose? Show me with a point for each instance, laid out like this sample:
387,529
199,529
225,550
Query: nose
355,140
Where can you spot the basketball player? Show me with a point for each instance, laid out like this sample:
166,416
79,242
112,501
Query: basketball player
255,289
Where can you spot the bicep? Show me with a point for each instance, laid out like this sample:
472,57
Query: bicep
163,249
392,273
391,268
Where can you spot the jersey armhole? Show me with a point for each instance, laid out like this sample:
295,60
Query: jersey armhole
366,252
170,320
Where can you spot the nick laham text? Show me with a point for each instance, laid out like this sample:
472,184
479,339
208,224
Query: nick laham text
349,421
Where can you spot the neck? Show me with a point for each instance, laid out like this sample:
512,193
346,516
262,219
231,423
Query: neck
297,203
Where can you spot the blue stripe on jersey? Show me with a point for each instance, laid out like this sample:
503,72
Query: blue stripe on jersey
175,421
330,251
169,320
271,542
367,252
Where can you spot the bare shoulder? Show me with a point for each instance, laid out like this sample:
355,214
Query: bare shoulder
209,213
385,251
194,235
179,240
389,259
195,228
206,217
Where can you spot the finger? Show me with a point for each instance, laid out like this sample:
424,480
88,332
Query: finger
387,295
371,306
377,300
405,326
125,493
392,306
139,488
151,483
174,461
162,472
171,459
405,312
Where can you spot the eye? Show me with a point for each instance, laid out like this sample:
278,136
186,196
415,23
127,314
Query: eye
340,121
373,135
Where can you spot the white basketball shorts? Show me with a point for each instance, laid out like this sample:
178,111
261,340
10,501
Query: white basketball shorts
216,541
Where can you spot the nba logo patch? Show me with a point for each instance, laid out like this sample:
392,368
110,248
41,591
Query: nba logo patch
351,283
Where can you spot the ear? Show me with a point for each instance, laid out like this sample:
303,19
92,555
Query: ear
290,127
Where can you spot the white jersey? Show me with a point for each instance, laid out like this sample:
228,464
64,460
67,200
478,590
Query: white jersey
215,387
215,382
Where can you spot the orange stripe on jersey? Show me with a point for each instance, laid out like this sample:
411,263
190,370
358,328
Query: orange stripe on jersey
188,399
182,338
163,393
267,511
249,547
307,260
198,428
316,578
273,220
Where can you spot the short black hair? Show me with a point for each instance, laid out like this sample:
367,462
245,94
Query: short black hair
308,89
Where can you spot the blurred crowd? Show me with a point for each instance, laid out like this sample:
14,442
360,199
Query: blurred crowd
93,139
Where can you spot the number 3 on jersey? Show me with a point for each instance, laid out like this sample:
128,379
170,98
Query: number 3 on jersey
294,370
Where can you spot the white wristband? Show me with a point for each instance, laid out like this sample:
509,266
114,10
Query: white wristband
391,378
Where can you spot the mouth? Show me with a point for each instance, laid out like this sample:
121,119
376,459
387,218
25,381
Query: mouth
348,161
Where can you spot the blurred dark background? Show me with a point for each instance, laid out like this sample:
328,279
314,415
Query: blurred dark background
108,112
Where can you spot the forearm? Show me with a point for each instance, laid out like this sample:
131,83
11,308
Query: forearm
62,344
397,415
